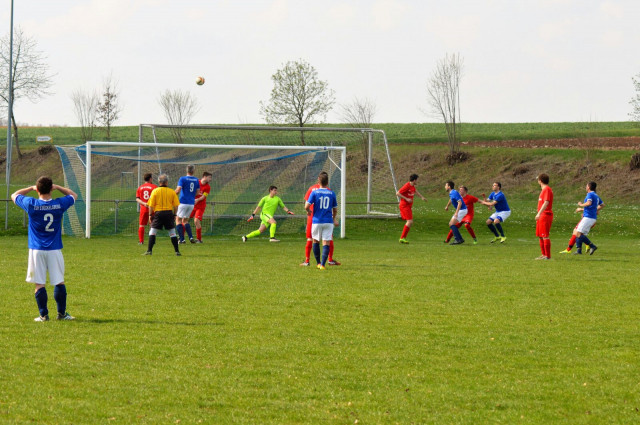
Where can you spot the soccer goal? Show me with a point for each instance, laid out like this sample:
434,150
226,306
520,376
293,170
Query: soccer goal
99,173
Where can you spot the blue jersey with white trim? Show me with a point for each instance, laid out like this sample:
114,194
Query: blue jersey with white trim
501,201
456,198
190,186
45,220
323,201
592,210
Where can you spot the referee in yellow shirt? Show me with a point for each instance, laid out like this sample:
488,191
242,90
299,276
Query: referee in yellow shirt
163,204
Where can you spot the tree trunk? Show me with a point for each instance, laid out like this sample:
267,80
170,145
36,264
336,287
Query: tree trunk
15,136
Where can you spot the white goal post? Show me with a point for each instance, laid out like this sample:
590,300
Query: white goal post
300,150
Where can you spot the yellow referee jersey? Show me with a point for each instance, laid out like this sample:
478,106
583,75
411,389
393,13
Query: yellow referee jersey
163,199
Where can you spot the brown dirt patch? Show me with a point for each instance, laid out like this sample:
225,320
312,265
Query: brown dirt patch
604,143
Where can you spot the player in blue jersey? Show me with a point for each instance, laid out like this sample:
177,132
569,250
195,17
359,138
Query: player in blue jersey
458,215
494,222
45,242
325,208
589,217
187,189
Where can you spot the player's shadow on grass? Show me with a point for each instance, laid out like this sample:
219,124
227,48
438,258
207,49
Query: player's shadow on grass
151,322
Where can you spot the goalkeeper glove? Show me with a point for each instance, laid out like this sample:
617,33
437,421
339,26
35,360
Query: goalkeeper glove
252,217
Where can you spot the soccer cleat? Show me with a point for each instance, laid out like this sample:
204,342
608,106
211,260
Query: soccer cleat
542,257
274,240
502,239
592,249
403,240
182,241
475,242
334,263
198,241
44,318
192,240
495,239
457,242
446,241
244,239
178,254
65,316
578,252
140,243
320,267
566,251
304,264
586,246
148,253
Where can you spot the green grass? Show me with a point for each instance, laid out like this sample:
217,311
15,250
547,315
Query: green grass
239,333
396,132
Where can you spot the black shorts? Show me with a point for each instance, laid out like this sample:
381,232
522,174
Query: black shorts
163,219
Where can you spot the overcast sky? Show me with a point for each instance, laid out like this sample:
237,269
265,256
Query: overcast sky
524,61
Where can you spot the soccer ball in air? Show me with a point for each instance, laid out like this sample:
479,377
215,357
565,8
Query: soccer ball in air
200,81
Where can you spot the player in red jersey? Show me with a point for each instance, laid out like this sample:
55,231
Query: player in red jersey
142,196
544,217
406,194
309,245
468,200
201,203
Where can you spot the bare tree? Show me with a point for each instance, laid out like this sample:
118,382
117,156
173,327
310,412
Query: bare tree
85,106
298,97
443,98
30,74
635,101
179,108
359,113
109,109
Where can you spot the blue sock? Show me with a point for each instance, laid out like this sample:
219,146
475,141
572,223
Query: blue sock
499,227
583,239
41,299
456,232
180,229
316,251
325,254
60,295
188,227
493,229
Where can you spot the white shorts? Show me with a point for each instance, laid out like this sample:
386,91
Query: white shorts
184,210
585,225
42,261
461,214
322,231
502,215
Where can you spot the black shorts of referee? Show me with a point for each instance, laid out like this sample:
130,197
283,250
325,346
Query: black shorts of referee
163,219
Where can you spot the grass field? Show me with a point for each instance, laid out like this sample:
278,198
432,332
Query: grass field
239,333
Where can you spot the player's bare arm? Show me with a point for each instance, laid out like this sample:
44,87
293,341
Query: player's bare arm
22,192
420,195
584,204
446,208
543,208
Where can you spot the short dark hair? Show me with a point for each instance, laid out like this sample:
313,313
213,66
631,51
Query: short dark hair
544,178
413,177
147,177
499,184
592,186
44,185
324,178
272,187
451,184
206,174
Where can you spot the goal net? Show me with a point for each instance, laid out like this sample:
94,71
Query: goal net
245,161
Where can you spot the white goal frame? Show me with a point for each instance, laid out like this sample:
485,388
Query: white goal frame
342,168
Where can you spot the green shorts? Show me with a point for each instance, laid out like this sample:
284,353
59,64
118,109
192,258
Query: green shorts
264,218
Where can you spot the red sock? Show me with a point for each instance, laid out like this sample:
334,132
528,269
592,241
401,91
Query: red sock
199,233
470,230
307,250
547,247
141,234
542,248
449,235
405,232
330,251
572,242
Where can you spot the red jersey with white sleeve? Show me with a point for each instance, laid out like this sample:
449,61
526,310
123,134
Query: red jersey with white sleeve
469,201
408,191
546,195
144,193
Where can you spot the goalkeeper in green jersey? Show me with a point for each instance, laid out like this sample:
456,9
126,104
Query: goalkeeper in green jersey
269,205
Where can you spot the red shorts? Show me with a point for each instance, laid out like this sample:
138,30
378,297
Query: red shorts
406,213
543,226
467,218
144,216
309,223
197,213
